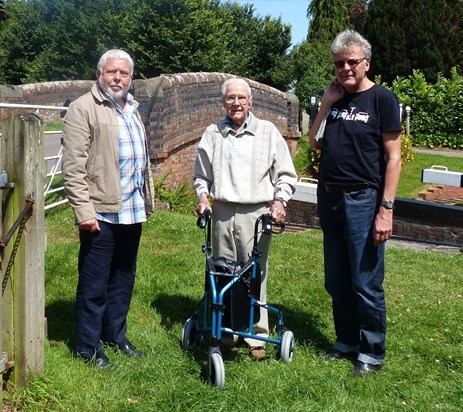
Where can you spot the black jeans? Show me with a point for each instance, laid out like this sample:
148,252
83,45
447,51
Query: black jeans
107,265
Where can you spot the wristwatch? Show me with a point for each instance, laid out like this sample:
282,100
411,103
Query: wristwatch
387,204
282,201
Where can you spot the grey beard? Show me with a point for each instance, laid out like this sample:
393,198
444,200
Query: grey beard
115,95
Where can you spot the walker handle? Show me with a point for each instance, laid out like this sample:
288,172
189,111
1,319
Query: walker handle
281,225
204,219
268,224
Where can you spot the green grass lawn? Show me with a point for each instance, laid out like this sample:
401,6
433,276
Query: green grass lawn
410,178
423,369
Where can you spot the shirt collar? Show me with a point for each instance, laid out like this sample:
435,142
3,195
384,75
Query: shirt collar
128,98
227,126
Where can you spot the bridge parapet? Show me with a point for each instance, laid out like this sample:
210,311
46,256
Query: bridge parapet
175,108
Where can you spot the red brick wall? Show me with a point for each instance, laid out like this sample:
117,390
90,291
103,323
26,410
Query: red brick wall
175,108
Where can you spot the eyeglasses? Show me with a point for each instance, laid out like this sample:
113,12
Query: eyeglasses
232,99
351,62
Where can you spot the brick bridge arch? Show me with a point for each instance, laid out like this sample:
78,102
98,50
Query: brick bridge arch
175,108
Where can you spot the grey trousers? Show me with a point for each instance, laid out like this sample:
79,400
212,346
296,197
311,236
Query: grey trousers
232,238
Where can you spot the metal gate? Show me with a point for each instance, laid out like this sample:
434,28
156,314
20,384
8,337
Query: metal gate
53,188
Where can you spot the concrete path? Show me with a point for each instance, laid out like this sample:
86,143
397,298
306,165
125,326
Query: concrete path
440,152
424,247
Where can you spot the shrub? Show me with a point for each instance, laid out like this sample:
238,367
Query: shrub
436,109
406,151
314,162
300,159
181,199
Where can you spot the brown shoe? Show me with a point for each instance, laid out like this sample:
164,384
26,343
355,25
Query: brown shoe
257,352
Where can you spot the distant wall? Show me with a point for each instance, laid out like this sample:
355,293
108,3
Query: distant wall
47,94
175,109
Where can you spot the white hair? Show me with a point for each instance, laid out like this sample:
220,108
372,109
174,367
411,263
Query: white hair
115,54
233,80
348,38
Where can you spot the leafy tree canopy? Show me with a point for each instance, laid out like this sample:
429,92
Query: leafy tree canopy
312,64
328,17
46,40
409,35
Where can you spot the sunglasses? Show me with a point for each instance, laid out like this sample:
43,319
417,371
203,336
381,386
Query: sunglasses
351,62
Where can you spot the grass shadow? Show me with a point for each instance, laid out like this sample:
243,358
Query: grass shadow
176,309
61,323
305,327
173,309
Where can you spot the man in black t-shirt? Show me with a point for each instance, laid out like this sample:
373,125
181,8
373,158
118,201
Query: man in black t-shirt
358,130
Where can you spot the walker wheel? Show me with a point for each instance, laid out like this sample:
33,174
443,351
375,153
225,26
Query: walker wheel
189,334
216,370
287,346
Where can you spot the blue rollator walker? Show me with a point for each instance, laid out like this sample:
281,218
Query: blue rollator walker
230,304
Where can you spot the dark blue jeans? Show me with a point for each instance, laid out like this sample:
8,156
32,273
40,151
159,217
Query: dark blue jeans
107,265
354,272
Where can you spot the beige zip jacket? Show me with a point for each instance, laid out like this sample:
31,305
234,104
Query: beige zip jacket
91,158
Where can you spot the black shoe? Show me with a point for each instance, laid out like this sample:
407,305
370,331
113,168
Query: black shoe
225,347
335,354
100,361
130,350
361,368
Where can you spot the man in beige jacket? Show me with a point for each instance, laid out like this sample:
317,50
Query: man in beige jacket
106,172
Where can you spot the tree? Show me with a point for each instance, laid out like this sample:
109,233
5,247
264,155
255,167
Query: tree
327,18
269,42
19,44
79,38
357,12
55,40
3,15
171,36
48,40
312,63
415,34
313,70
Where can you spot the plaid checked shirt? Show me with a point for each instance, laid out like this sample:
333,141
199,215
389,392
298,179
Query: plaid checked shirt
132,162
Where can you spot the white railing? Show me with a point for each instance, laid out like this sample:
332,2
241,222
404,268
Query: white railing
50,176
56,166
31,106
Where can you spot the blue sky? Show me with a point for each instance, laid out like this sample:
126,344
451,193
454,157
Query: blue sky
293,12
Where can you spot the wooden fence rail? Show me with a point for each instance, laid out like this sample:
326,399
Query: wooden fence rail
22,248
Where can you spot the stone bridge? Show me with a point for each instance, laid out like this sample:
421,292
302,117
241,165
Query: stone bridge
175,109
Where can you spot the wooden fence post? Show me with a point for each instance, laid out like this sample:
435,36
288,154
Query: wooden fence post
2,360
23,286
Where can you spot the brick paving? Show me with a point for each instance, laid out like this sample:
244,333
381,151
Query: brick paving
448,195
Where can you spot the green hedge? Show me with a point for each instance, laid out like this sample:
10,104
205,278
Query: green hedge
436,109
